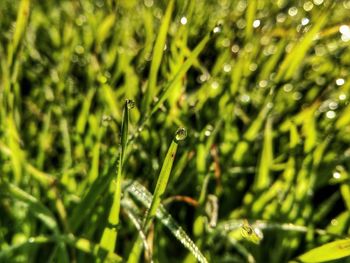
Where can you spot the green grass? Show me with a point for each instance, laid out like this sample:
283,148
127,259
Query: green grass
97,97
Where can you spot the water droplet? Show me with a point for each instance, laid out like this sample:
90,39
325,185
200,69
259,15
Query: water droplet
305,21
106,119
217,29
293,11
250,233
245,98
215,85
256,23
183,20
340,82
334,222
31,240
241,23
297,95
148,3
342,96
345,31
288,87
308,6
330,114
318,2
181,134
225,42
235,48
209,129
336,175
130,104
203,78
263,83
80,20
333,105
281,17
227,67
79,49
253,67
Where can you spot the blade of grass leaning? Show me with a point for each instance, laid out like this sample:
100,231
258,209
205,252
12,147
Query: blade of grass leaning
81,244
330,251
145,198
158,192
263,177
250,15
21,24
158,51
35,207
109,236
292,61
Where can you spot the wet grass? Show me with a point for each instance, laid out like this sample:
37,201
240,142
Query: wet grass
97,98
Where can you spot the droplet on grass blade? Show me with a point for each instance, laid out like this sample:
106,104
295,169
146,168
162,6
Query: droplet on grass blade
130,104
250,233
181,134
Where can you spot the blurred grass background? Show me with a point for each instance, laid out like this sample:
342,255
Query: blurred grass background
262,88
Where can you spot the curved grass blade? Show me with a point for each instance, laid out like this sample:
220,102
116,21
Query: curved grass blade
158,192
330,251
34,205
145,198
109,236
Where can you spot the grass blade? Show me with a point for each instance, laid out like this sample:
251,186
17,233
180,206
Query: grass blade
158,192
330,251
145,198
109,236
158,51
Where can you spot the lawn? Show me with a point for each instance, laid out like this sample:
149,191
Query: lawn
174,131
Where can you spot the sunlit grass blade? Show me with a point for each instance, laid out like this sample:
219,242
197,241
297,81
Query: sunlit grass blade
109,236
158,51
161,185
145,197
330,251
292,61
263,177
21,24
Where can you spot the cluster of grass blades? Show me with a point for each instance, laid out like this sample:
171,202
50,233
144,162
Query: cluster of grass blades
94,164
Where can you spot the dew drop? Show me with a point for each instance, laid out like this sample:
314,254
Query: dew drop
256,23
305,21
340,82
217,29
181,134
106,119
235,48
227,67
281,17
308,6
215,85
130,104
31,240
334,222
330,114
318,2
245,98
333,105
342,96
336,175
148,3
183,20
293,11
288,87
